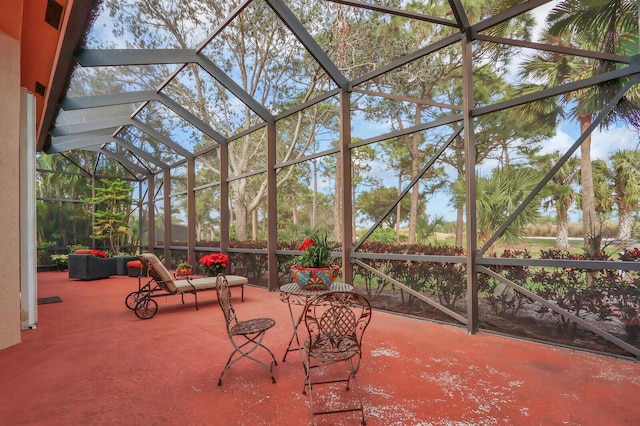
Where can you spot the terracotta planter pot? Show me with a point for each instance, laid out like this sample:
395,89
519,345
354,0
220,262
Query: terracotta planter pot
183,272
314,278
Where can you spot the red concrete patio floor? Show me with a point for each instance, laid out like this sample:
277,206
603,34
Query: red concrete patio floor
92,361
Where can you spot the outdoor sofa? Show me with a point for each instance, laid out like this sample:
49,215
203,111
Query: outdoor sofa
92,265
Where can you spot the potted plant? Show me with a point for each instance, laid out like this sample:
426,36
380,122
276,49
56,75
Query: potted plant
630,255
184,269
314,269
214,263
61,261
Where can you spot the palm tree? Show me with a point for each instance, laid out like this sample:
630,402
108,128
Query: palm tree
609,26
498,197
557,69
614,22
563,195
427,228
603,190
626,183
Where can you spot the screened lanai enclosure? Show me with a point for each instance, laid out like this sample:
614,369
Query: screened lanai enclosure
473,162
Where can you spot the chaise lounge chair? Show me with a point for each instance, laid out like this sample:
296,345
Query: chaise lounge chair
161,284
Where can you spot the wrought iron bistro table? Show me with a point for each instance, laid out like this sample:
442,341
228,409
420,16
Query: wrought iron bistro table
293,294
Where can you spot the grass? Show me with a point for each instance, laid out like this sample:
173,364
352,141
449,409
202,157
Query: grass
533,245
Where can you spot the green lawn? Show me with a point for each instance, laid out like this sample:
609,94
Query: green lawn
534,245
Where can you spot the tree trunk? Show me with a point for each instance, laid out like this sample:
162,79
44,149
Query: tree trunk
254,225
337,217
314,207
354,231
398,209
459,143
62,226
591,234
562,229
505,156
240,209
459,226
413,217
624,227
241,221
415,168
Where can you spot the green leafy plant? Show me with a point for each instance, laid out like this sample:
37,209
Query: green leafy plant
112,204
61,260
317,253
185,264
184,269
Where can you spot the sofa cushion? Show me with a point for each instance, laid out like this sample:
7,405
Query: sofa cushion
93,252
135,268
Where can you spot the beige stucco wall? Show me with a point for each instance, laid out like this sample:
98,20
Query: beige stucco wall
9,191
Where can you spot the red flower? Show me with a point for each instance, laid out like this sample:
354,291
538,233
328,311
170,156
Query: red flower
214,262
632,254
308,242
99,253
211,259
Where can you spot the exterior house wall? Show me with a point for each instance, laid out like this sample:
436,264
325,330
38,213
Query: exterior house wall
10,174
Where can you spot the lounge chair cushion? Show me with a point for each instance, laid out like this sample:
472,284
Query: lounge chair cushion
158,271
208,283
199,283
161,275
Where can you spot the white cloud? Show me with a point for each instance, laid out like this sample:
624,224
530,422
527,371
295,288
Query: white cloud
561,142
540,14
606,142
603,142
382,171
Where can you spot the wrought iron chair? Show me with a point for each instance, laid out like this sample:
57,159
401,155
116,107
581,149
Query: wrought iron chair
336,322
246,336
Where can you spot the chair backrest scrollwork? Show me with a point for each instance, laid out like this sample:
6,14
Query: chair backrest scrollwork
336,323
224,299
